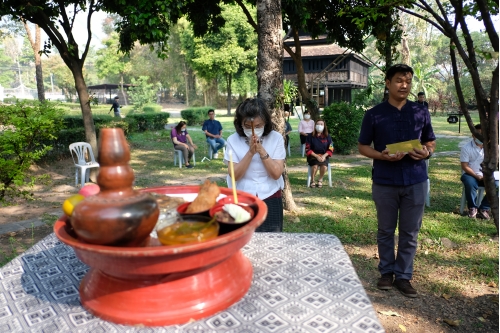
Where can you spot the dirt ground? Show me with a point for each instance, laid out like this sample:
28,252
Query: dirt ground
473,309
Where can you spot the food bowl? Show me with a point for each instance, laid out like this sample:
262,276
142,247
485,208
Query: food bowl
182,210
225,226
192,229
165,285
242,200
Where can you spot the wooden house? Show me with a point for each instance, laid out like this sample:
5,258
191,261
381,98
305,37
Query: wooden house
330,71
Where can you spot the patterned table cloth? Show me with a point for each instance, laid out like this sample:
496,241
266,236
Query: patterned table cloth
301,283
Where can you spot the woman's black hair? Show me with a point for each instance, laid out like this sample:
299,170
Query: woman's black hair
252,108
179,125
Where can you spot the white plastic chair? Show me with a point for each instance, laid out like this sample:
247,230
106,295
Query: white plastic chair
83,157
329,175
288,147
178,156
479,198
303,149
210,152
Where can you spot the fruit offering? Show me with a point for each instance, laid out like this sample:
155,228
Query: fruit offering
90,189
70,203
188,232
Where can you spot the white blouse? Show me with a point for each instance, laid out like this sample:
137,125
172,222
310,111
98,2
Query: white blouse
256,180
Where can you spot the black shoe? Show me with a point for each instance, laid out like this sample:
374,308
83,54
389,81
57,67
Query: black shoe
189,166
405,288
385,281
483,214
472,212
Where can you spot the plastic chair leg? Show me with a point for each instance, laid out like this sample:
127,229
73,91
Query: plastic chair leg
330,175
428,195
308,175
303,149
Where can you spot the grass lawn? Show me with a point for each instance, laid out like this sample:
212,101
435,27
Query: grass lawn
455,255
347,209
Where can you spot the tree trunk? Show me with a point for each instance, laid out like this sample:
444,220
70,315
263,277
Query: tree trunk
186,83
123,91
88,121
35,45
229,78
301,76
270,73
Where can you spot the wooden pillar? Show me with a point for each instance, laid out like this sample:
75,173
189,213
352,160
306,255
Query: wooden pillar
325,96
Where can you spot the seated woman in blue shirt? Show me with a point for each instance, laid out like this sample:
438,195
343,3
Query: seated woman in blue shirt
319,148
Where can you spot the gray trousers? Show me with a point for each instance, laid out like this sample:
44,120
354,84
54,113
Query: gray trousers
407,203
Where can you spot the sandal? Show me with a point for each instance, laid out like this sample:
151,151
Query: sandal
312,185
319,183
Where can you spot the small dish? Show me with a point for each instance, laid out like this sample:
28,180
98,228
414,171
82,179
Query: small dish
225,226
182,210
242,200
191,229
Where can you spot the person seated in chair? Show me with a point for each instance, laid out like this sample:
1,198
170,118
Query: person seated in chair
213,132
180,139
319,149
471,157
306,127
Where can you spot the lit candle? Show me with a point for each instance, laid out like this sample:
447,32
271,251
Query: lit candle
233,181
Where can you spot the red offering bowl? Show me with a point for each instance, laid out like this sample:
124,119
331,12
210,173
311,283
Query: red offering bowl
165,285
226,227
244,199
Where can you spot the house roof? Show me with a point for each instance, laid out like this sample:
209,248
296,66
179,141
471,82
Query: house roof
317,50
107,86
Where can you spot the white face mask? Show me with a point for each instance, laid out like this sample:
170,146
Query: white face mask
307,116
258,132
320,128
183,130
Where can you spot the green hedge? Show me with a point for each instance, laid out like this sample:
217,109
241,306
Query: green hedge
344,122
74,131
141,122
148,108
195,116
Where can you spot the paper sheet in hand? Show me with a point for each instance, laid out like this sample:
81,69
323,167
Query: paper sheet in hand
404,146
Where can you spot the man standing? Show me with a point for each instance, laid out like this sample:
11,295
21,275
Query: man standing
421,100
399,184
213,132
471,157
116,108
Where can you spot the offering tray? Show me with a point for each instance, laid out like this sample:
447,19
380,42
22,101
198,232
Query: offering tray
165,285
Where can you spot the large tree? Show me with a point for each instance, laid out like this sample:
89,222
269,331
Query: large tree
145,21
36,46
450,20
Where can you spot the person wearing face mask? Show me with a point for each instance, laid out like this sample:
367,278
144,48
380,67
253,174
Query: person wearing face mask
180,138
258,159
306,127
471,157
319,148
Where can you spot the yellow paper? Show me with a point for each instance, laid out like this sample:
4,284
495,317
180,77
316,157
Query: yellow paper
404,147
233,182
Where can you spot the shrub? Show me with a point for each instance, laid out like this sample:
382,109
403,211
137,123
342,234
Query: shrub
148,108
195,116
344,122
141,122
142,92
24,130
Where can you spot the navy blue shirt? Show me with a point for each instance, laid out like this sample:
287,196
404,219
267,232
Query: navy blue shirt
212,126
385,124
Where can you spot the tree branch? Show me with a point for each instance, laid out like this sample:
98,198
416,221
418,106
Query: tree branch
247,14
458,88
488,24
89,32
423,18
